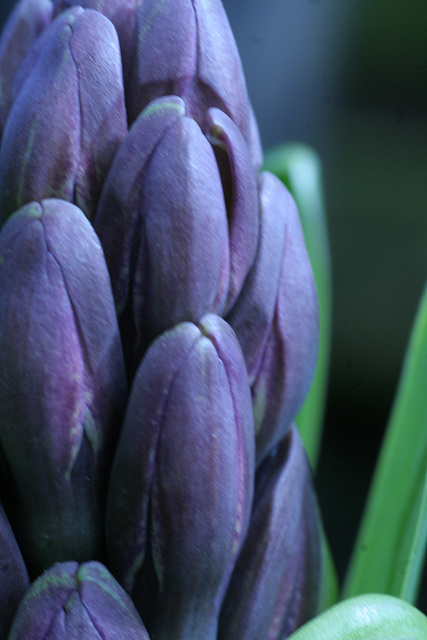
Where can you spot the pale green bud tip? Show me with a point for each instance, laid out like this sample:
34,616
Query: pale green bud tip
366,617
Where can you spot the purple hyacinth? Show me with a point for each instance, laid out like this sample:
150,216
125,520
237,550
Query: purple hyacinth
68,116
62,381
182,482
178,220
280,567
77,601
158,334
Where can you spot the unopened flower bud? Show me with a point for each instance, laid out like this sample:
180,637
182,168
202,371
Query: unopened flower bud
62,381
240,190
276,317
275,586
27,20
68,117
251,316
122,14
181,487
186,48
177,239
71,601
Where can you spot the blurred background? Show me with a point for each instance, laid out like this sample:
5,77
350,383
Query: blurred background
350,79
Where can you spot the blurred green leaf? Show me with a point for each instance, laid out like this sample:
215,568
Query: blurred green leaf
298,166
389,552
366,617
329,587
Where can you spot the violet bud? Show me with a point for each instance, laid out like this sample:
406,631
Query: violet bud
252,315
162,221
27,20
240,190
122,14
68,117
275,586
281,375
13,575
182,480
186,48
62,381
71,601
178,221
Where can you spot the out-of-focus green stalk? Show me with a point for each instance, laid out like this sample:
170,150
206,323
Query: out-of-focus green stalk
367,617
329,591
389,552
298,166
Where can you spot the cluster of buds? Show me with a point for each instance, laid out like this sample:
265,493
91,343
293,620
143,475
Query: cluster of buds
158,334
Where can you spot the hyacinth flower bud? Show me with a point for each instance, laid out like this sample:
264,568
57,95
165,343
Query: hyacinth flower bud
275,586
276,317
122,14
173,242
13,575
240,189
72,601
62,381
68,117
28,19
252,315
181,486
186,48
162,223
289,359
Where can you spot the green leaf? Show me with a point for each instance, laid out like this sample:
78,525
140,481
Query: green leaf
366,617
299,168
389,552
329,586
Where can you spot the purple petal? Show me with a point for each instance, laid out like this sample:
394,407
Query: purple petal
117,219
164,58
127,510
68,118
187,48
185,228
61,352
220,80
122,14
289,359
30,61
72,601
239,181
187,440
163,224
252,315
275,586
27,20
